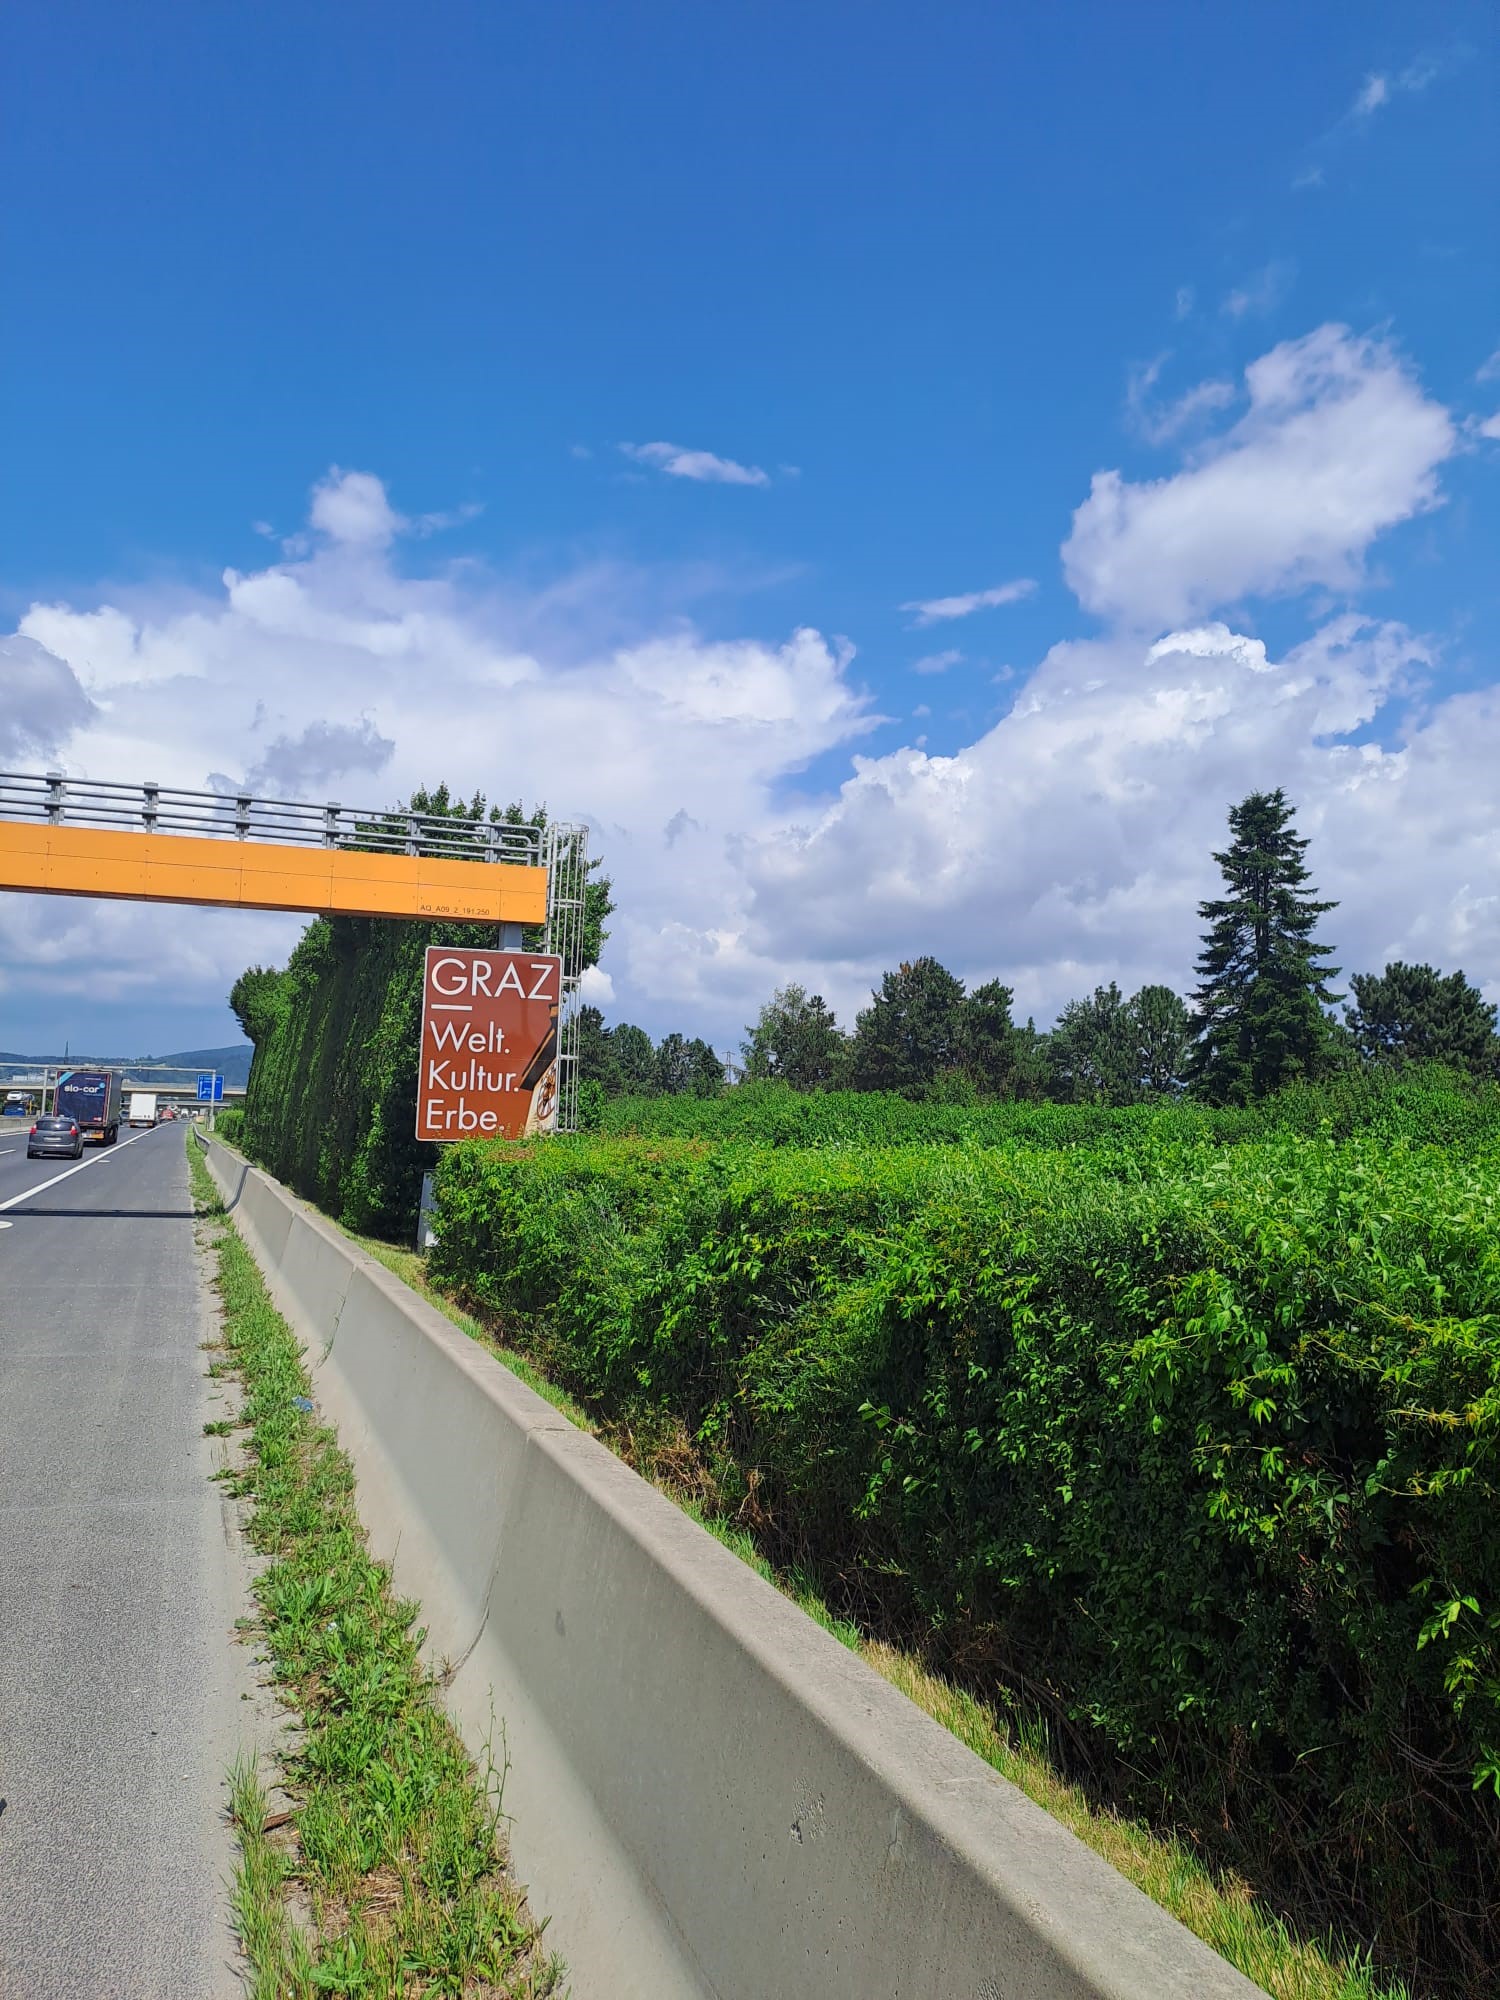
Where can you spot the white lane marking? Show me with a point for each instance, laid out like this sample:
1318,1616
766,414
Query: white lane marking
68,1172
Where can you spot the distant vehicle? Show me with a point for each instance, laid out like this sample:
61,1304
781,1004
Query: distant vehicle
91,1097
143,1107
14,1107
167,1112
54,1138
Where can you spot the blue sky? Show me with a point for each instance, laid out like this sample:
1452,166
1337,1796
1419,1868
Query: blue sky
874,295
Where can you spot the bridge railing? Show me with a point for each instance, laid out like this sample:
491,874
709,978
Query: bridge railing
52,798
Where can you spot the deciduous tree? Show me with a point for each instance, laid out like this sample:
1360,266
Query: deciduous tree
795,1040
258,1001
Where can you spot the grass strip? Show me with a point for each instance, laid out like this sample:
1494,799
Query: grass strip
387,1877
1220,1909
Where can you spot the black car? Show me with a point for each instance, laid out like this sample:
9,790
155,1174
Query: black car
54,1139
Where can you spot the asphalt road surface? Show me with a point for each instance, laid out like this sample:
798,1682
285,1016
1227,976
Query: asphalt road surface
121,1577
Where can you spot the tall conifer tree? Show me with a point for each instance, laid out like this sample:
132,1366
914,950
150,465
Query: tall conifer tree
1259,1022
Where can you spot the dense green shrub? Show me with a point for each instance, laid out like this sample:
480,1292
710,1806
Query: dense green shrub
1194,1443
1422,1104
331,1105
230,1123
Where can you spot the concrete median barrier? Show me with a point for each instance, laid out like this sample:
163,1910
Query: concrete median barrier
711,1796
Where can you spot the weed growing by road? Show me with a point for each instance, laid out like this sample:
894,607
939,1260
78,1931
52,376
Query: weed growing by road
387,1878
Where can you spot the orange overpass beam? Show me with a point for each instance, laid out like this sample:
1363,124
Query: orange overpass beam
63,860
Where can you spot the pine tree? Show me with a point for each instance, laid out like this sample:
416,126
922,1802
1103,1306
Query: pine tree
1032,1076
595,1051
912,1031
1094,1050
988,1039
687,1068
1259,1021
1163,1035
1412,1013
634,1061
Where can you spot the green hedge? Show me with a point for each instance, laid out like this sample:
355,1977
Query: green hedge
1193,1444
1426,1103
230,1124
331,1104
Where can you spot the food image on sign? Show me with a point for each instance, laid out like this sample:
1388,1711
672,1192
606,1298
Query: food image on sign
488,1061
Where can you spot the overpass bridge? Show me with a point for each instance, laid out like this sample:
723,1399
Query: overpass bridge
67,836
62,836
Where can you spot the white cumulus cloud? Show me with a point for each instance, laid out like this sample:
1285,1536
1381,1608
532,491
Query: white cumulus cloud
42,700
1338,444
334,672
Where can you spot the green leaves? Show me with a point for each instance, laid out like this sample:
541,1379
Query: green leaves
1172,1427
1440,1625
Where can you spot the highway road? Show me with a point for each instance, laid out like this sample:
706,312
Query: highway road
121,1577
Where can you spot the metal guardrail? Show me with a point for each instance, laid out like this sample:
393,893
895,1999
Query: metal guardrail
52,798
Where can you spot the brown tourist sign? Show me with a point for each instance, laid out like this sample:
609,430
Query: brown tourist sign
489,1044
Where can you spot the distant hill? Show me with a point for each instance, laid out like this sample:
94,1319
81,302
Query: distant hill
233,1063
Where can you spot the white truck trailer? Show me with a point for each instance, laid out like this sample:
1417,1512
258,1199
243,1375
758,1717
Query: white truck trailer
142,1107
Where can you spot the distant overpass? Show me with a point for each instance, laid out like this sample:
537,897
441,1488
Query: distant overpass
172,1085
